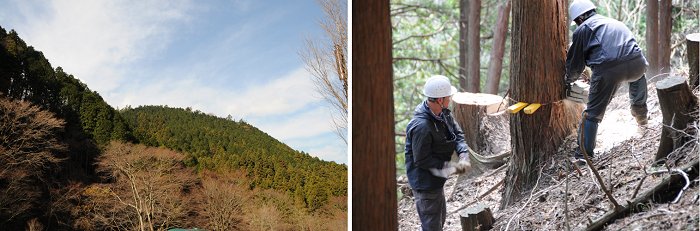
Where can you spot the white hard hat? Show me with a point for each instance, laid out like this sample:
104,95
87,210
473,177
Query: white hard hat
438,86
578,7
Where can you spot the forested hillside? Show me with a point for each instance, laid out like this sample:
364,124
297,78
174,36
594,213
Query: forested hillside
219,143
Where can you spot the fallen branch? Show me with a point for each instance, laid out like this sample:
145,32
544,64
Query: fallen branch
479,197
687,183
636,190
475,158
600,180
631,206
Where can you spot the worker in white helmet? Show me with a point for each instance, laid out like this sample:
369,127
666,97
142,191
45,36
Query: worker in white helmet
432,136
608,47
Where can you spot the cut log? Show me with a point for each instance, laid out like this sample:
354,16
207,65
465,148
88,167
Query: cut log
478,217
666,185
692,41
679,108
486,128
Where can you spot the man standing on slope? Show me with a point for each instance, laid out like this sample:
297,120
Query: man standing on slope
608,47
431,137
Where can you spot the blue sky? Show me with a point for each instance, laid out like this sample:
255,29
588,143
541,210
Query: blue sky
236,57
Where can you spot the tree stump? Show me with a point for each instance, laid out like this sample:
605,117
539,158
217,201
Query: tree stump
477,217
692,41
477,115
679,108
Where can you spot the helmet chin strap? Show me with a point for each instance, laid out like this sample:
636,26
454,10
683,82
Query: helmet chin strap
443,107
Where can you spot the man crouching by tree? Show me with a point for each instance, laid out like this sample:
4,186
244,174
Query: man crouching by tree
431,137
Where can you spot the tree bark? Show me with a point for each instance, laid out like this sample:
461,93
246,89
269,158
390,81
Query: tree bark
679,107
374,175
473,47
463,59
478,217
500,31
665,25
534,138
692,41
471,111
652,37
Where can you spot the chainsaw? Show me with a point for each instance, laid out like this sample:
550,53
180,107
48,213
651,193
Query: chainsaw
578,92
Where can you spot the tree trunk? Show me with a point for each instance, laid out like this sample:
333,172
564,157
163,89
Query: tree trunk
679,108
471,111
374,176
535,137
652,38
463,59
692,41
665,26
493,78
478,217
473,47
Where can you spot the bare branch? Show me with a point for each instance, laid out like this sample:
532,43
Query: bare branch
326,61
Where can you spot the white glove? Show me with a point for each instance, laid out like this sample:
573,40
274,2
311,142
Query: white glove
447,170
463,166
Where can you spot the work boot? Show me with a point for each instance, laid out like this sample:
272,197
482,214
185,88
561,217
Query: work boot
586,136
579,158
642,120
640,114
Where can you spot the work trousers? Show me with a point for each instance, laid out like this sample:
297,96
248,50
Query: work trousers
605,80
432,208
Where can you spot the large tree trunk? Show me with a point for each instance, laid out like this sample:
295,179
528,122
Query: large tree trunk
473,47
665,26
692,41
652,37
463,59
493,78
679,108
534,138
374,172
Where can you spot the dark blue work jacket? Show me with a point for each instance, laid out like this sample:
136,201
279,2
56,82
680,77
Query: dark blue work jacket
430,141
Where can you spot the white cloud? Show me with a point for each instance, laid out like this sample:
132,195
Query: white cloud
280,96
305,124
94,40
325,146
337,153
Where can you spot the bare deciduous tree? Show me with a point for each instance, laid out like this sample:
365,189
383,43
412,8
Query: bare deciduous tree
326,60
149,190
224,205
29,146
265,217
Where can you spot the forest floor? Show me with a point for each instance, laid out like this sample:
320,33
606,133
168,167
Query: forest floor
624,153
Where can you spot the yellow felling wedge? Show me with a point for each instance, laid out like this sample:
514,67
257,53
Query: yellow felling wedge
532,108
515,108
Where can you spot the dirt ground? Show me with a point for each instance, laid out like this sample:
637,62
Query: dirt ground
623,152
